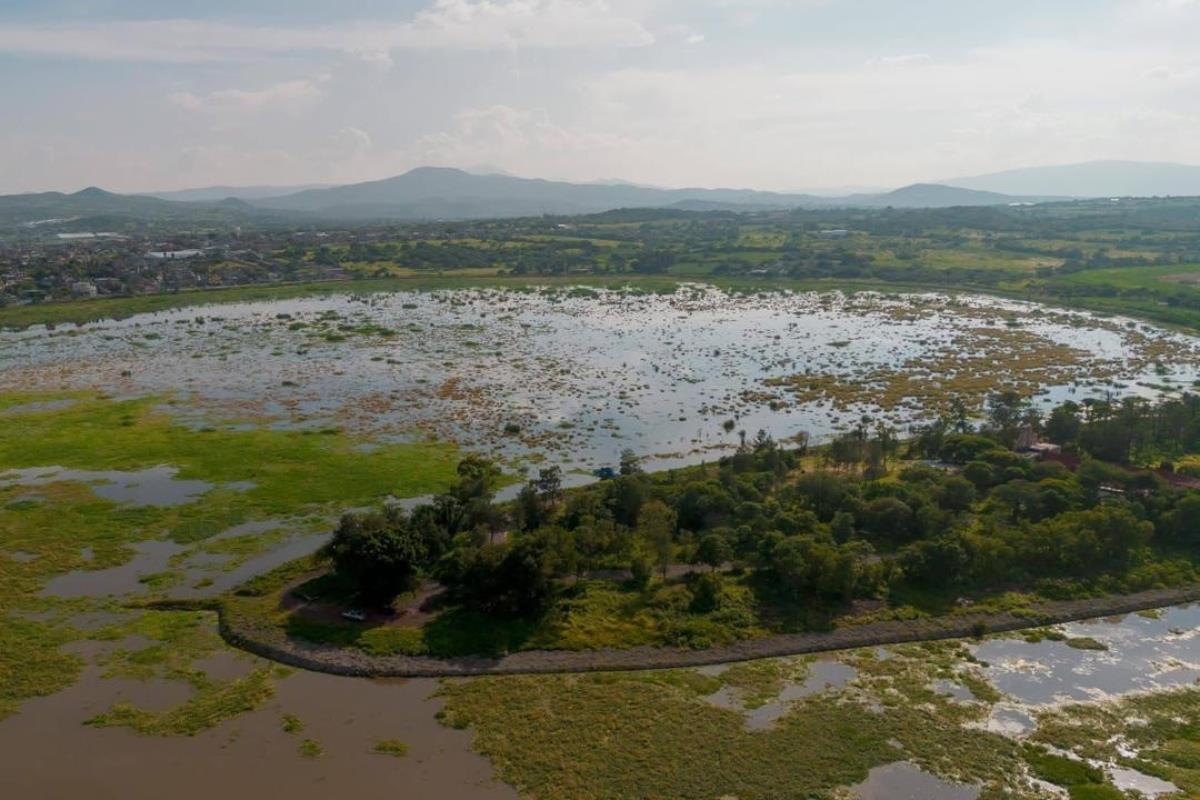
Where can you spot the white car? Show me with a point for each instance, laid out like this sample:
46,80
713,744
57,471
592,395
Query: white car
354,614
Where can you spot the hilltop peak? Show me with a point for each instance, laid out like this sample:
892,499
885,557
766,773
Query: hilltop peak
94,192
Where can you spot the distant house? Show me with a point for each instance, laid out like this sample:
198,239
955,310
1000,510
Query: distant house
171,255
1030,445
84,289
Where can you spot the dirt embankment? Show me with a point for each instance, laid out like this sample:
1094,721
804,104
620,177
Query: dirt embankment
348,661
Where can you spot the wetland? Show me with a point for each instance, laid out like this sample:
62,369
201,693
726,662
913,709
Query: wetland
182,453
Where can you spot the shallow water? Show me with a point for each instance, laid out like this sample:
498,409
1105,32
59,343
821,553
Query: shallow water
49,754
904,781
953,689
156,486
822,676
227,580
1143,654
1148,785
583,377
150,557
1010,721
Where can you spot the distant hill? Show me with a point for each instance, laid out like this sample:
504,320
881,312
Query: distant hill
76,211
444,193
934,195
212,193
438,192
1092,179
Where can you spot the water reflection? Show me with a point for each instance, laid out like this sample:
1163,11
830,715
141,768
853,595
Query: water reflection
581,375
823,675
156,486
1143,654
904,781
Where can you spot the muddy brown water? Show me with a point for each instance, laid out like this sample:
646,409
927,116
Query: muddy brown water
156,486
904,781
48,753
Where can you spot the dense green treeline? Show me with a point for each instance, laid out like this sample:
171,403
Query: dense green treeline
773,538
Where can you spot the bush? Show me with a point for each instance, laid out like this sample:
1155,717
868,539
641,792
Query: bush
707,591
642,568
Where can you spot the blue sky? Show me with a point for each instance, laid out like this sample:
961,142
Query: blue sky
780,94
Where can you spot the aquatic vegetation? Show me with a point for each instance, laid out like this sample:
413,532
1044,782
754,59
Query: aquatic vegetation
391,747
967,368
310,748
211,704
62,526
640,734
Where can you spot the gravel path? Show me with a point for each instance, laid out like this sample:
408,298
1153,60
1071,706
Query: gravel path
349,661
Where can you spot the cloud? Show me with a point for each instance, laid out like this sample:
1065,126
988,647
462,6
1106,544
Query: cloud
900,60
554,24
349,143
526,140
776,124
288,96
447,24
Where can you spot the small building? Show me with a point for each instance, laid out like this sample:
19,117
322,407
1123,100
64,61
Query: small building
1030,445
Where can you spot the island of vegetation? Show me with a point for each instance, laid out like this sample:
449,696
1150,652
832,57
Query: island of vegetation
1083,507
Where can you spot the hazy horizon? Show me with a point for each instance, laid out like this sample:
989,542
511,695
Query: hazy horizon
782,95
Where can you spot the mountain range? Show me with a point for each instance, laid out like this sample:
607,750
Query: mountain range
429,193
438,192
1092,179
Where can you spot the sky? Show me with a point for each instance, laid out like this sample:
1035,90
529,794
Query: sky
141,95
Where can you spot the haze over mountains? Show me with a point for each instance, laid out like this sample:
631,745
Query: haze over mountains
1092,179
212,193
447,193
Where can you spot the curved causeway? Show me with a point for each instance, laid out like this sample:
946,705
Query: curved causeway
352,662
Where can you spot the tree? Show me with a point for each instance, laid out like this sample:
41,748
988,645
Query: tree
842,526
1019,497
979,473
888,519
714,550
477,479
1064,424
529,510
704,505
654,262
595,537
1006,411
502,579
379,555
1184,521
790,563
956,494
549,483
630,462
656,524
823,492
641,568
1079,542
935,562
626,495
